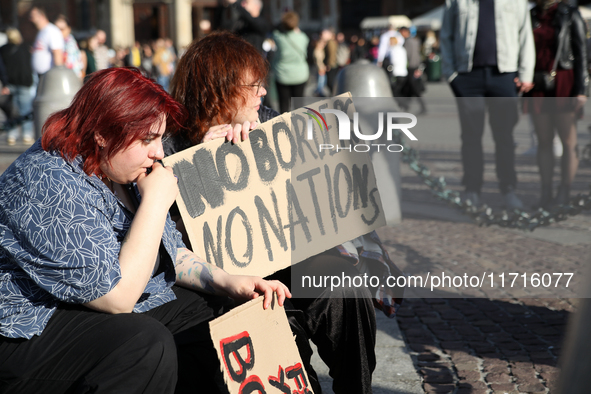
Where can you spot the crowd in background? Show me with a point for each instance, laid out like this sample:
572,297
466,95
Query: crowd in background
296,57
299,59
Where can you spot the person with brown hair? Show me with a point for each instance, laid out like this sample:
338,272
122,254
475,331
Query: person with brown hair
290,63
220,81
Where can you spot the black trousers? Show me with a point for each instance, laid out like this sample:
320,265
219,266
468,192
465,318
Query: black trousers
169,349
482,89
286,92
83,351
341,323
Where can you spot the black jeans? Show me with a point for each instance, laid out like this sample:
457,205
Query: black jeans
341,322
82,351
286,92
481,89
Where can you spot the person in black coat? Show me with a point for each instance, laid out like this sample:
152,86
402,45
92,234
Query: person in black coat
17,82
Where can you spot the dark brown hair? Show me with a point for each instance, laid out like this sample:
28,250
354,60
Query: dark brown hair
209,80
290,20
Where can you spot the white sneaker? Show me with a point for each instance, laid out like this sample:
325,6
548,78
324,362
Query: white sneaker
11,141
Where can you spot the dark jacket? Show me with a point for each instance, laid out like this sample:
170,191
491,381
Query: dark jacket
570,28
17,60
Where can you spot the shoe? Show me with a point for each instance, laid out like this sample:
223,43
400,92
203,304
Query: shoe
562,196
512,202
473,197
545,198
28,140
11,141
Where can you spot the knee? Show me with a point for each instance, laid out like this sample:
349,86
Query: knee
146,340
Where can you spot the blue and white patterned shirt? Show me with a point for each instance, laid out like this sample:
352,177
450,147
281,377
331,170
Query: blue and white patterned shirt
60,235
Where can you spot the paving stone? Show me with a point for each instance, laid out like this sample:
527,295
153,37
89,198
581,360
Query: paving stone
531,388
498,378
468,375
503,387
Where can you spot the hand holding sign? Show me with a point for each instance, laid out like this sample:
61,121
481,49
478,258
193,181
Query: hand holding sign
251,287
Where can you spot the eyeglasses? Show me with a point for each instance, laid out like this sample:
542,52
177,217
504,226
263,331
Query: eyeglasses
258,87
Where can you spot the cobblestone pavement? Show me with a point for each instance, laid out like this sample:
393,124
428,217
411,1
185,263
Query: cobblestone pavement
481,345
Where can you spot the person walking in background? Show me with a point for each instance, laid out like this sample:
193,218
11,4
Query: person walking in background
559,35
17,60
319,54
134,57
414,83
88,47
396,58
487,50
330,56
101,52
290,63
147,61
343,51
72,56
164,62
359,50
48,49
384,43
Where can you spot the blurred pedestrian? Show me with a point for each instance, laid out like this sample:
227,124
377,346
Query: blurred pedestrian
72,54
134,57
561,53
414,81
359,50
343,51
163,61
319,54
385,44
48,49
147,61
88,46
330,56
17,60
373,49
487,50
102,57
396,61
290,64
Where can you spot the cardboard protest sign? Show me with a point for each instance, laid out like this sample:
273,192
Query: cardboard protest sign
257,351
277,198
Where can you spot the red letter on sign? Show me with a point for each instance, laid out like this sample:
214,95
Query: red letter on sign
279,382
296,373
231,345
252,384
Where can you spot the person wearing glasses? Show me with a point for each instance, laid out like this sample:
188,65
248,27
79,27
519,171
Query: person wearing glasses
220,81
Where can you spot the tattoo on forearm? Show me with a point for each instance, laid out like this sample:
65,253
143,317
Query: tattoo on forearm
199,274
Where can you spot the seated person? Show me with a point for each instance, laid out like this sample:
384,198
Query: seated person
220,80
86,239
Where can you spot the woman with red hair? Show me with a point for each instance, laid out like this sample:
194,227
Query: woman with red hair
86,240
220,79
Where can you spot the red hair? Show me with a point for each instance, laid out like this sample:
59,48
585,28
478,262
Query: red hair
208,79
117,104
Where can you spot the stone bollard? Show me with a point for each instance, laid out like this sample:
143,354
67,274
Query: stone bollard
365,79
56,90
